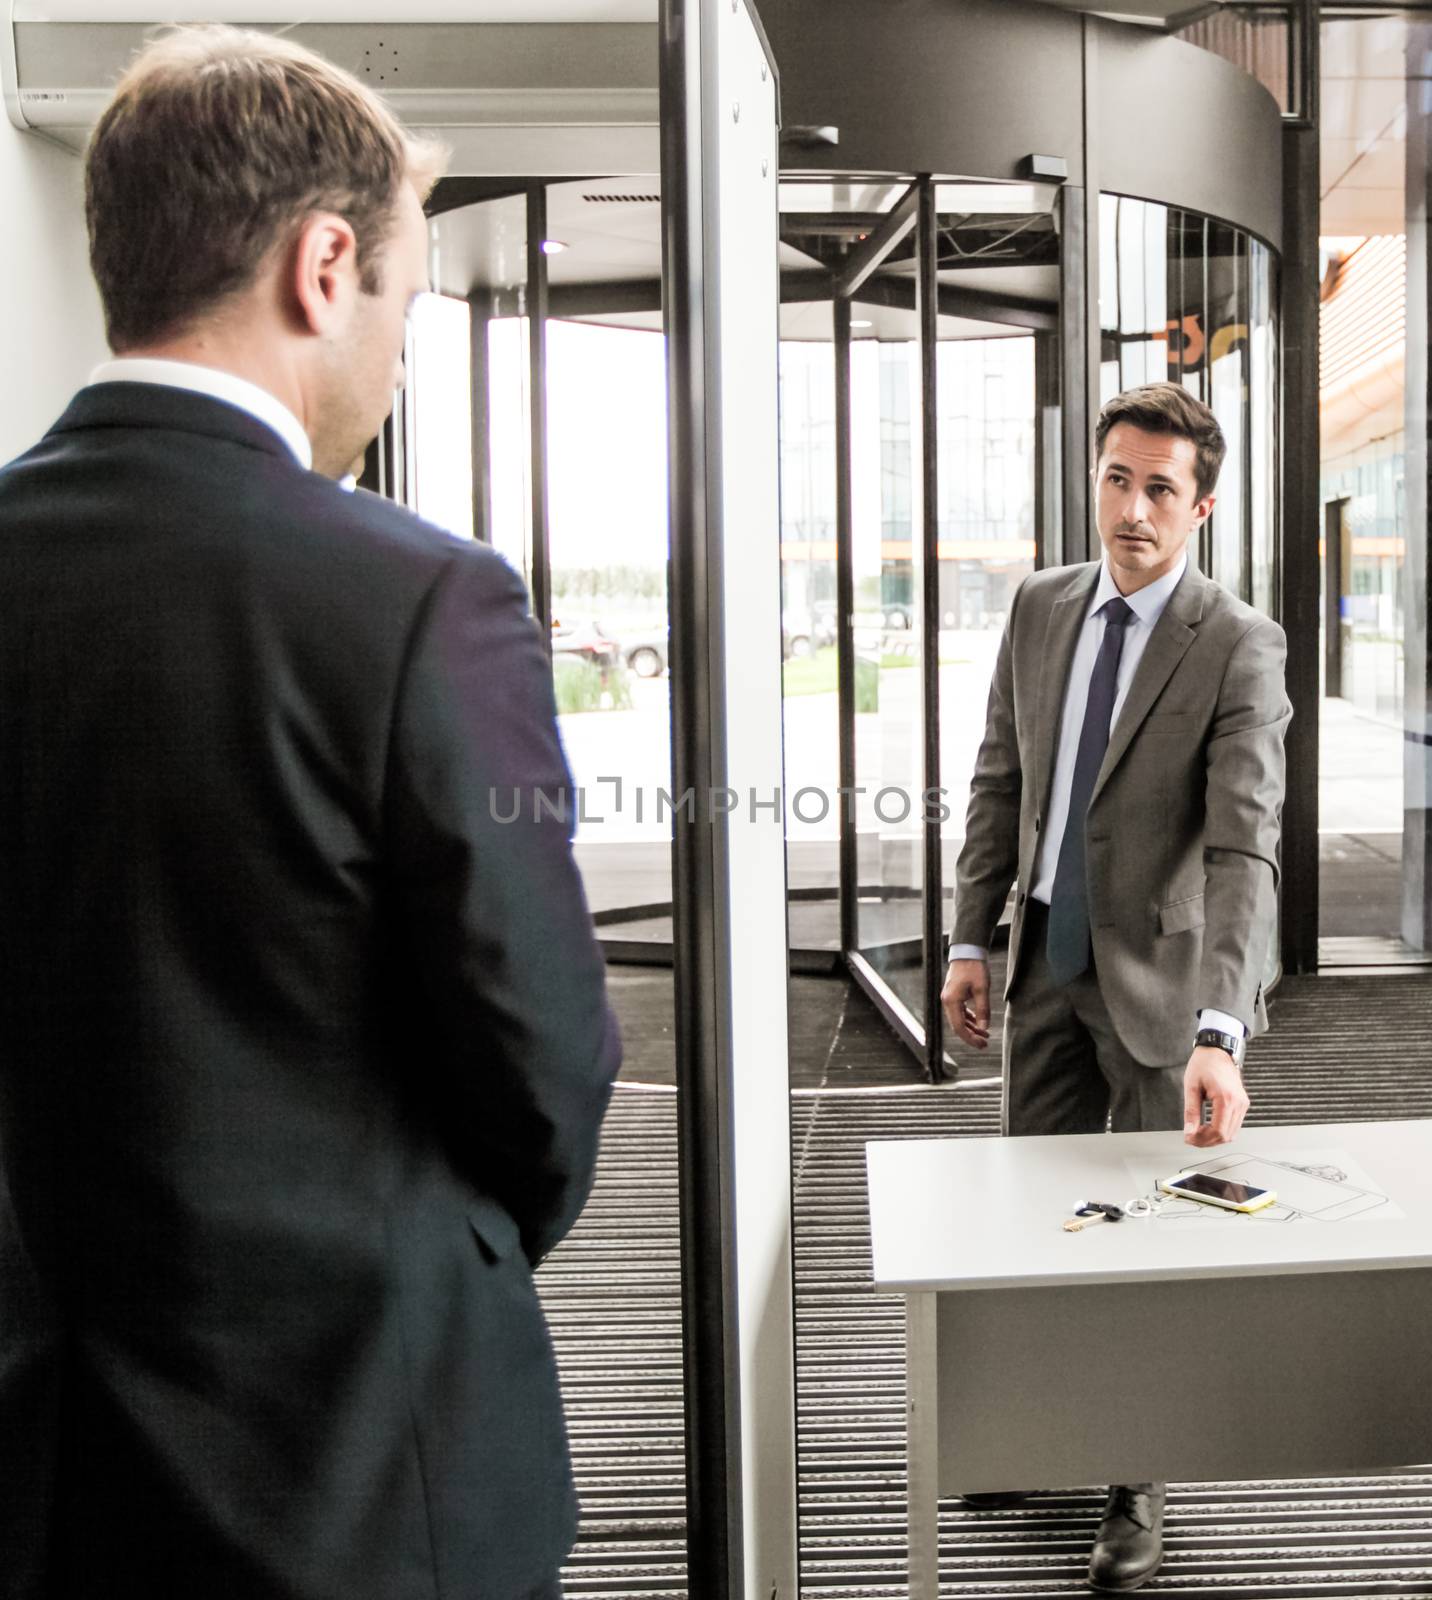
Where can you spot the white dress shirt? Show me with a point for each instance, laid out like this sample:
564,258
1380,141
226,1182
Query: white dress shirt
218,385
1148,605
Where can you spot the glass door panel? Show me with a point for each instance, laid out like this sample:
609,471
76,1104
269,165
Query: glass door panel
608,531
605,485
438,398
811,723
1228,396
1262,424
988,538
996,432
889,723
495,232
608,542
1194,300
997,421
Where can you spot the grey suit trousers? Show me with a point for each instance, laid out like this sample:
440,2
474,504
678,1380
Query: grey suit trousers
1065,1069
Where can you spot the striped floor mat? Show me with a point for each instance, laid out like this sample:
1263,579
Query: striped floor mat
1340,1051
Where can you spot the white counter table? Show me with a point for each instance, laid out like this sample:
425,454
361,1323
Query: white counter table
1189,1345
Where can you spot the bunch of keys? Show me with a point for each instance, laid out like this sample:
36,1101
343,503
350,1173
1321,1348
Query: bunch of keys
1088,1212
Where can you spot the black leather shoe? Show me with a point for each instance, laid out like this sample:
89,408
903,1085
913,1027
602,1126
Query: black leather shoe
1129,1548
997,1501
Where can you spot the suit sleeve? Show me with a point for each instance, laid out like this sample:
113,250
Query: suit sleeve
1243,819
989,857
481,815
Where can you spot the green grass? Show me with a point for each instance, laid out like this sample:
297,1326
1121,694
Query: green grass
582,686
812,674
816,674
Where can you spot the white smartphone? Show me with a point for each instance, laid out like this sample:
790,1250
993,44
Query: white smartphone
1214,1191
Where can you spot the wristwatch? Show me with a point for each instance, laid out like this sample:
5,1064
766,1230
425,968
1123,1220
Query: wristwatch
1216,1039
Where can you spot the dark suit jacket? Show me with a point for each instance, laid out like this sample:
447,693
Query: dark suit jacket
1184,821
303,1055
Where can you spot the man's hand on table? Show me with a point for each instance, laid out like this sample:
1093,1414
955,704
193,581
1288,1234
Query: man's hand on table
965,999
1211,1075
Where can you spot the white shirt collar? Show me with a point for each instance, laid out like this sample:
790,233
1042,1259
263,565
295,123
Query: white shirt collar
1148,603
218,385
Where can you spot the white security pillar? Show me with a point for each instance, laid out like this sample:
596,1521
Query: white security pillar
719,172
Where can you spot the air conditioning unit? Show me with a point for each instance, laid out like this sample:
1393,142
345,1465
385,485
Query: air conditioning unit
546,88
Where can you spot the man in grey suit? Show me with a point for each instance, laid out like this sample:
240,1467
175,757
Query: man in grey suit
1130,785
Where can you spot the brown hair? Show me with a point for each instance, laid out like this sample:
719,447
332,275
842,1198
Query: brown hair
218,145
1169,408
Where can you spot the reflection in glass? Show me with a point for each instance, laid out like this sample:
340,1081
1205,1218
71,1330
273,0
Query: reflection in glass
606,507
1187,324
997,428
438,394
1195,301
608,535
1138,277
1263,435
1204,291
890,736
1228,396
509,421
808,642
987,544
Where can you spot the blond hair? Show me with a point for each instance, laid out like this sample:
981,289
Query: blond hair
217,147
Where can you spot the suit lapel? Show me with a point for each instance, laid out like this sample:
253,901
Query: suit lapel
1060,638
1172,635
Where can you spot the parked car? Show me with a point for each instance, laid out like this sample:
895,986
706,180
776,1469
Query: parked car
802,632
584,639
646,653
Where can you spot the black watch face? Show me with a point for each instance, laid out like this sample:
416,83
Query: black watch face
1220,1041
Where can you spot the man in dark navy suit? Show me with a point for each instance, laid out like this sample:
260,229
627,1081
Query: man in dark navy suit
303,1049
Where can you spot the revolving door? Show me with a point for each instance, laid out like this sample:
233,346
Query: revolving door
930,359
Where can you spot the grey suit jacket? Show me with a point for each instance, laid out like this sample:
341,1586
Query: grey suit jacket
1184,821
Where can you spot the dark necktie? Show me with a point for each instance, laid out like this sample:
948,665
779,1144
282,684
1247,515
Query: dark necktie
1069,904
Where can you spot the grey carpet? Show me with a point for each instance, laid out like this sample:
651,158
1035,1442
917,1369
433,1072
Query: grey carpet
1339,1050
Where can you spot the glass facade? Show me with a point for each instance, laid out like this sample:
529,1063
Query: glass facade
1368,487
1188,300
1372,784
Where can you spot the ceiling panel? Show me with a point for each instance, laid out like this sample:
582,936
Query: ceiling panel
1363,126
1360,213
812,322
